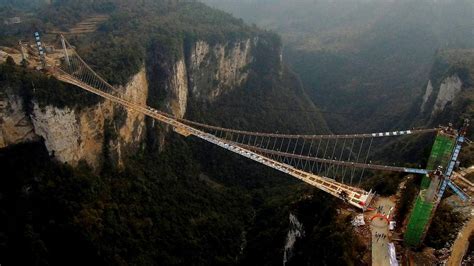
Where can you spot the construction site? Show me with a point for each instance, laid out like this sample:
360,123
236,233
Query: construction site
390,243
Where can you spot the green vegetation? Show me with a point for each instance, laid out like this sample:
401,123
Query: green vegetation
266,103
458,62
153,211
157,209
366,63
193,203
118,49
326,235
384,184
444,227
34,86
120,46
22,4
189,204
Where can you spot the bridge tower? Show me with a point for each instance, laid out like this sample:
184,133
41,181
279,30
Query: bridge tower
443,156
41,51
66,54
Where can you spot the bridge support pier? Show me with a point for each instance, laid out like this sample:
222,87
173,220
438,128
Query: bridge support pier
442,155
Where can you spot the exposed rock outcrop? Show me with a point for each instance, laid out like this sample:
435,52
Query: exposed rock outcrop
448,90
132,132
426,96
295,232
203,72
15,125
69,135
448,97
213,70
178,88
72,134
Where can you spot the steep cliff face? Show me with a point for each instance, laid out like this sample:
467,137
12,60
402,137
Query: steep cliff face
178,89
217,69
247,75
129,203
427,95
132,131
15,125
449,93
295,231
75,134
69,135
445,94
202,72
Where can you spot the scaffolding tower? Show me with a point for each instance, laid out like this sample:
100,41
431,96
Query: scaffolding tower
443,155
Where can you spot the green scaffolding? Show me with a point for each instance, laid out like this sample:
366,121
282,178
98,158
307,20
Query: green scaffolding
440,155
422,211
418,221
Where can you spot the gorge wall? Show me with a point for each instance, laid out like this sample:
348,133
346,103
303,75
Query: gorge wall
202,72
447,92
72,134
15,125
448,95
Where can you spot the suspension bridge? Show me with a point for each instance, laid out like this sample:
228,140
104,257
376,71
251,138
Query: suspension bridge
335,164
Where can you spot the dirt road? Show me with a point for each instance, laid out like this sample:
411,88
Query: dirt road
461,244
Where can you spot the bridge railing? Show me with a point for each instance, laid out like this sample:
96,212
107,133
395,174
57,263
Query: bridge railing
342,158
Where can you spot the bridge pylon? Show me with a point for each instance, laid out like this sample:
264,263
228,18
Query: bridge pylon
332,163
443,157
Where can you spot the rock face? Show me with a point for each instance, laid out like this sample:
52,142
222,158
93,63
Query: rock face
443,95
448,90
202,73
69,135
295,231
178,88
72,135
426,96
213,70
15,125
132,132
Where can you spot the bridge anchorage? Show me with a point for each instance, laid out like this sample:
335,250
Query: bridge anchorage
335,164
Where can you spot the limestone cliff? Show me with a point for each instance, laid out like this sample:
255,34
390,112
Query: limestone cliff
131,132
69,135
201,72
213,70
439,100
178,89
440,97
74,134
448,90
449,94
427,95
15,125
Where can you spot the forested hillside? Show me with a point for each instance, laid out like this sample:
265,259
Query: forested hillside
364,62
183,202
